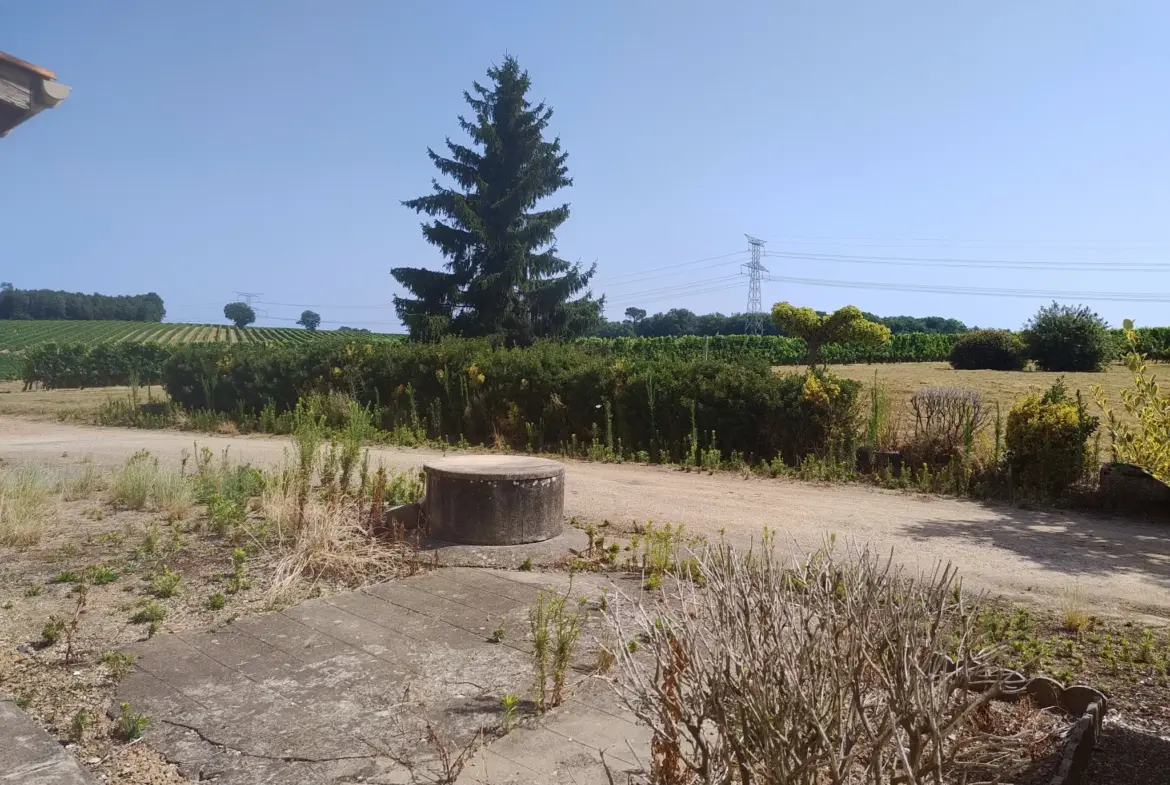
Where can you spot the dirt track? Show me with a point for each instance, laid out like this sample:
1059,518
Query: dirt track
1115,565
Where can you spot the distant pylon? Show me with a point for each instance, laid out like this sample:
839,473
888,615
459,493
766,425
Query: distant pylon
754,315
248,297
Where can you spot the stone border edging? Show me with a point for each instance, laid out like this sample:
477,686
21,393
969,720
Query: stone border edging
1078,749
1085,703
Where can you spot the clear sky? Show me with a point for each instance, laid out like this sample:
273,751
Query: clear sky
264,146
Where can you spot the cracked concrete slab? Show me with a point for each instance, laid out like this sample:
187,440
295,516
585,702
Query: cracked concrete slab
365,686
30,756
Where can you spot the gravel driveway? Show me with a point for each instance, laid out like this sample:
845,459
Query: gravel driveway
1113,565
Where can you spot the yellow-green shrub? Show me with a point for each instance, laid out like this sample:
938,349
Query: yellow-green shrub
1047,441
1146,444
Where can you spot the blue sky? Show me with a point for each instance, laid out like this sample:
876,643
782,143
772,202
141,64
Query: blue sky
265,146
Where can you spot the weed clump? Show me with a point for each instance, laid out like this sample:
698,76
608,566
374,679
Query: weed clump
26,504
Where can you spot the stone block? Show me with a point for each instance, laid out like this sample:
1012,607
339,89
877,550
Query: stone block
1130,487
494,499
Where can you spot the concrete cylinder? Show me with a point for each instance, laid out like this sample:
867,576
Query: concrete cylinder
494,499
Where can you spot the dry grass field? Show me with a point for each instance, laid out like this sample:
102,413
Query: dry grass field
14,400
902,379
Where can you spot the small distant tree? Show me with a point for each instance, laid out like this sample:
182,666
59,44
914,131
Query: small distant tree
845,325
635,315
310,320
240,313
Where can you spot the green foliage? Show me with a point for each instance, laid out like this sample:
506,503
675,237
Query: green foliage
52,631
81,722
56,365
238,581
1144,440
1047,441
216,601
43,304
775,350
240,314
310,320
151,612
548,397
682,321
503,277
100,575
166,583
990,350
845,325
119,663
131,724
1069,338
556,625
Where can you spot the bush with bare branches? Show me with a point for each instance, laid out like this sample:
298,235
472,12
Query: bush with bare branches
834,672
946,422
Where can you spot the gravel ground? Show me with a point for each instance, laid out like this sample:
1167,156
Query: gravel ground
1116,566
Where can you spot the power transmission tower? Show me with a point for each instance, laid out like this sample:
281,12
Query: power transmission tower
754,315
248,297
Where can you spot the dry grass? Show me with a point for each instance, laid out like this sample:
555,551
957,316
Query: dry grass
84,483
142,484
64,403
330,544
903,379
1073,615
27,499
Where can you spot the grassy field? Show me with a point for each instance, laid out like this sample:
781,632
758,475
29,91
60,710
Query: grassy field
14,400
902,379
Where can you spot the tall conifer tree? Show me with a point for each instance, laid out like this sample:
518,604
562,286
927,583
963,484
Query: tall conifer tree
502,274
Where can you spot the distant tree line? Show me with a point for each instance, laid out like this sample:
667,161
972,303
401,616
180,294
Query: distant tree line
48,304
680,321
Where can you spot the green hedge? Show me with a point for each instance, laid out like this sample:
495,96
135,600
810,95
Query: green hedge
777,350
100,365
546,397
76,365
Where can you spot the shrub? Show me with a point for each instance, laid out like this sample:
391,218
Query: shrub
826,674
947,421
989,350
1142,442
1068,338
1047,441
845,325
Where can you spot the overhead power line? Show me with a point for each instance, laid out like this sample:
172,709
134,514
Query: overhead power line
1135,297
903,242
312,305
614,279
639,300
1002,264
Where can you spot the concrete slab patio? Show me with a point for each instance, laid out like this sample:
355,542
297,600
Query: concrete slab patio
30,756
371,686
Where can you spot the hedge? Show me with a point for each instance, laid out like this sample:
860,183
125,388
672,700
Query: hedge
70,365
778,350
100,365
546,397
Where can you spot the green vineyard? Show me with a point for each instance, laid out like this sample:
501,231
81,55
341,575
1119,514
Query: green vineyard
16,336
